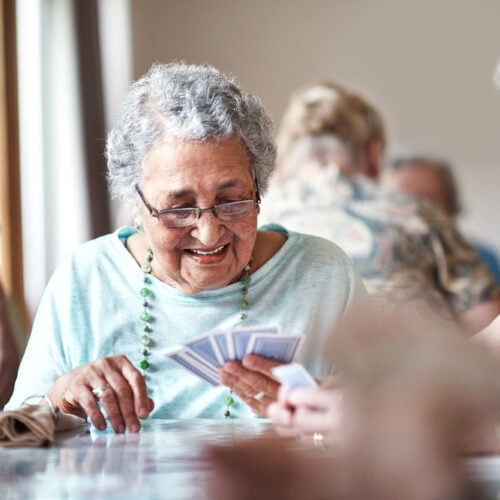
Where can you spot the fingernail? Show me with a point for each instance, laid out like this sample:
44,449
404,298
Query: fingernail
120,429
247,360
135,428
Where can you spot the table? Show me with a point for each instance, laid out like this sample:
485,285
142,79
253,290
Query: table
162,461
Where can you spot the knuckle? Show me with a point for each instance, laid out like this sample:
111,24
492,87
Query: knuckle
136,378
102,364
249,400
96,362
83,372
120,358
111,361
122,389
107,396
260,384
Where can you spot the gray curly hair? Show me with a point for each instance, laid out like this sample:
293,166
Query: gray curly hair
190,102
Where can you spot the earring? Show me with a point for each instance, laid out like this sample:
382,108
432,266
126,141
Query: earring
138,223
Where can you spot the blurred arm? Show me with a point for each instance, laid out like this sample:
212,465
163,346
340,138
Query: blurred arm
480,316
9,356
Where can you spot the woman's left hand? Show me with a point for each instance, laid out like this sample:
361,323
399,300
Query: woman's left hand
252,380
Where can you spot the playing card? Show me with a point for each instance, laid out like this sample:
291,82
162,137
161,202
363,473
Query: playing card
197,366
278,347
294,375
220,341
204,355
204,348
241,337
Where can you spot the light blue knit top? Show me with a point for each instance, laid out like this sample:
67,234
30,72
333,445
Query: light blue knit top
91,309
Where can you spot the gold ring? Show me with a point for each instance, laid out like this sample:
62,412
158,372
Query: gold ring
259,396
99,391
318,441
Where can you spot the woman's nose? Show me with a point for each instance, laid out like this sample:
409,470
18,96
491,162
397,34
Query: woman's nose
208,229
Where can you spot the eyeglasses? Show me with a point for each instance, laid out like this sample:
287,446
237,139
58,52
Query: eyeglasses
182,217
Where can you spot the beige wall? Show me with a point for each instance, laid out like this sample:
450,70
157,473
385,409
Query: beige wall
428,65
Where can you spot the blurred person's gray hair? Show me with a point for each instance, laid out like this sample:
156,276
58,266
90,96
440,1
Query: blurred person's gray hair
328,109
192,102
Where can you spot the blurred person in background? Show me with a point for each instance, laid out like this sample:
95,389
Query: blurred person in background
9,355
433,179
330,150
413,399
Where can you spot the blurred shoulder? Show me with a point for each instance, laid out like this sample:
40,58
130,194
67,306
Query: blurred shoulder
413,214
309,247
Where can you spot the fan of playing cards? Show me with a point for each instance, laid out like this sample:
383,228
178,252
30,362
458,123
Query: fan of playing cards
204,355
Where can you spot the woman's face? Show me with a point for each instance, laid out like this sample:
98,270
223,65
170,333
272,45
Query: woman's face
421,180
209,253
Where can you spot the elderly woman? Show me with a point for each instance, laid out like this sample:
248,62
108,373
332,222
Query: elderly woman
191,154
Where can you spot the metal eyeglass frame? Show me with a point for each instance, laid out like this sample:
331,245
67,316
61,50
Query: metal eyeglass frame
154,212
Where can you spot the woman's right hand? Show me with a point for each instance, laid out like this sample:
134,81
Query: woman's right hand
305,412
124,397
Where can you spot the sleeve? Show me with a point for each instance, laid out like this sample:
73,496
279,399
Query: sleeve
490,258
358,297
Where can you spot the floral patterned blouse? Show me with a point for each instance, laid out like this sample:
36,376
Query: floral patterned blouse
404,249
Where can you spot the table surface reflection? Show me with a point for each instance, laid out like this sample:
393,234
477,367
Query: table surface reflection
162,461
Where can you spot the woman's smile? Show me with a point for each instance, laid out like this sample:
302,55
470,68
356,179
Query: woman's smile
207,256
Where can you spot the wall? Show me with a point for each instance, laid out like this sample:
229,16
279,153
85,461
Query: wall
427,65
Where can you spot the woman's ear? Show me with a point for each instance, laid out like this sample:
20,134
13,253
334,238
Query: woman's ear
138,223
136,217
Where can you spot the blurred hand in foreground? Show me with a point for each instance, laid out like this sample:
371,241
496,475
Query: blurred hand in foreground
416,397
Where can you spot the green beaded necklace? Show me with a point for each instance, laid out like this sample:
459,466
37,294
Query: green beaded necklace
145,292
146,318
245,282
